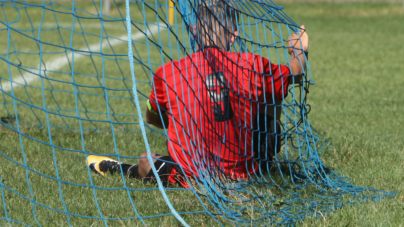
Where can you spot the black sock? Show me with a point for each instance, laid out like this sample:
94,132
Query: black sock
133,171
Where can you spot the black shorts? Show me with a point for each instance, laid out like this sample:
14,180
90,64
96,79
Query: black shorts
164,166
266,138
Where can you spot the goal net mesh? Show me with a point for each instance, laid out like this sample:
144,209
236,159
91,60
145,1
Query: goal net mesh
74,82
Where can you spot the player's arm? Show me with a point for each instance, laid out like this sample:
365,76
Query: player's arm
298,61
157,103
154,118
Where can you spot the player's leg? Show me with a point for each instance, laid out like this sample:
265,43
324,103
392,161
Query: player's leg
103,165
267,139
144,166
163,164
165,169
275,110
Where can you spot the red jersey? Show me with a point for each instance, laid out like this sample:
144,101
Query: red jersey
212,99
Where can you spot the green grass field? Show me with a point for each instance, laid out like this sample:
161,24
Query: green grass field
357,101
355,58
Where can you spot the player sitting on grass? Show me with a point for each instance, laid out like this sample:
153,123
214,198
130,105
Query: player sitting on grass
208,99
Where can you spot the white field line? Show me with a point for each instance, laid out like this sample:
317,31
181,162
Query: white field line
111,25
62,61
77,26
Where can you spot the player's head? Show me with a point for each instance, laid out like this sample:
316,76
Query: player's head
216,23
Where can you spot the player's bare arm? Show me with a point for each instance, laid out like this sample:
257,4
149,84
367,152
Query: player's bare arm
298,61
154,118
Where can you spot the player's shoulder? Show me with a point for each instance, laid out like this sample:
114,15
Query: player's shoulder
168,67
246,56
254,57
251,59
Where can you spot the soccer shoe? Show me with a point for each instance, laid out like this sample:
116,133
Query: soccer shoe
101,164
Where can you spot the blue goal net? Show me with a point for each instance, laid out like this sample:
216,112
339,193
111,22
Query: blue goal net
217,75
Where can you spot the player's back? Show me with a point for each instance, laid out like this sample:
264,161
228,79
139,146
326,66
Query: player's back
213,101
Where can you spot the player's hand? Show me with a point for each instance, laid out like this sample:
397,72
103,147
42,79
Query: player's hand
299,40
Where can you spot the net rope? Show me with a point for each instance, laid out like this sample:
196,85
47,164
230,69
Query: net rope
74,82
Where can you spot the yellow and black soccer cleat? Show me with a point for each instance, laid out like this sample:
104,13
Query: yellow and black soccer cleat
101,164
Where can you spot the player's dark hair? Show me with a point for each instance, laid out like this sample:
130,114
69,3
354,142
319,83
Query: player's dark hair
215,20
